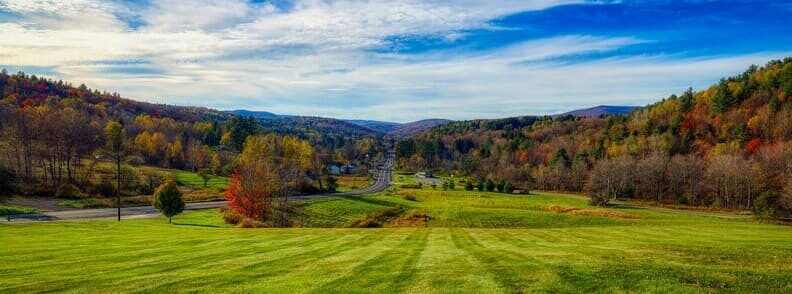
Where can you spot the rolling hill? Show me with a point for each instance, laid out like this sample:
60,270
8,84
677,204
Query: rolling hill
413,128
598,111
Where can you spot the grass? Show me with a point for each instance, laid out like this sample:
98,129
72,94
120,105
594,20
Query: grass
347,183
11,209
475,242
193,180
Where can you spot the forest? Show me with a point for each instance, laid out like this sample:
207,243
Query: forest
726,146
53,136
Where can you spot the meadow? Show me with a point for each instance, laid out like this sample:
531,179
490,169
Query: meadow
433,241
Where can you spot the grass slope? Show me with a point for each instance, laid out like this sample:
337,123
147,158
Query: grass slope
475,242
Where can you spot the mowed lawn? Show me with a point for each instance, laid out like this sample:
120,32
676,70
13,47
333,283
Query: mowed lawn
473,242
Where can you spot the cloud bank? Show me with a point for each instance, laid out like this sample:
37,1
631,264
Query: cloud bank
387,60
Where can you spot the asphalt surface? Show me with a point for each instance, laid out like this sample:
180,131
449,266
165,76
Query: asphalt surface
382,182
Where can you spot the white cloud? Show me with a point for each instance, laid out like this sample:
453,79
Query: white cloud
315,58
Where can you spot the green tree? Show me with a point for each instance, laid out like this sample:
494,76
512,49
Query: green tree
205,175
508,188
722,99
468,185
489,185
168,200
331,183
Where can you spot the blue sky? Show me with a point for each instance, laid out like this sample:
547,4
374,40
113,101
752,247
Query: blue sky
393,60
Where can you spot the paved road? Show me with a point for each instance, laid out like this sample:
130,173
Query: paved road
382,182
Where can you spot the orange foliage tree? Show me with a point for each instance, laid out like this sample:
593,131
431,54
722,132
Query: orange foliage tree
246,197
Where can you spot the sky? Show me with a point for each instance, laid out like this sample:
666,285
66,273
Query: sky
393,60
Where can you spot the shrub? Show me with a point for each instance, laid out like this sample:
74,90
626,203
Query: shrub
411,186
68,191
105,188
408,195
481,185
330,183
508,188
250,223
468,185
598,199
230,216
167,199
451,184
500,186
764,206
489,185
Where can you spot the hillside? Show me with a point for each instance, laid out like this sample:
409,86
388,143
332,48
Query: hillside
598,111
53,137
739,129
255,114
413,128
379,126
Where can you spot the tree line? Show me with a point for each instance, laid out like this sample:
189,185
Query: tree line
725,146
53,135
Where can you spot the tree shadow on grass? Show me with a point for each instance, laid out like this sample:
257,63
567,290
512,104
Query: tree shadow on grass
196,225
624,206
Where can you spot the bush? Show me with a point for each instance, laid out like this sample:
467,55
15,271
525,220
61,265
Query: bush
167,199
330,183
501,185
481,185
508,188
598,200
105,188
489,185
411,186
451,184
765,206
68,191
468,186
250,223
230,216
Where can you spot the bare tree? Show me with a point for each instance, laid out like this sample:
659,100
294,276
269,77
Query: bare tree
650,175
730,181
611,178
685,177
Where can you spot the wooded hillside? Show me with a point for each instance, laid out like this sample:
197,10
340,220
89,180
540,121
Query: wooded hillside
727,146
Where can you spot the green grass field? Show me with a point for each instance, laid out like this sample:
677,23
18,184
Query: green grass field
193,180
473,242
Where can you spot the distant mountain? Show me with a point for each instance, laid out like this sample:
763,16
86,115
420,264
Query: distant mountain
417,127
379,126
256,114
353,126
598,111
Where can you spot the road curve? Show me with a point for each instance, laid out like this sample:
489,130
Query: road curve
382,182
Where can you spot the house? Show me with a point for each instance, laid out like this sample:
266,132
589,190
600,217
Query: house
334,170
425,175
349,169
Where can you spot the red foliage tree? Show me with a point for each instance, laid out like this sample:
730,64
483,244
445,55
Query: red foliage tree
246,197
753,145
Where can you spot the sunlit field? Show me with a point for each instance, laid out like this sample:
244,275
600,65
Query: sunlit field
442,241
